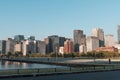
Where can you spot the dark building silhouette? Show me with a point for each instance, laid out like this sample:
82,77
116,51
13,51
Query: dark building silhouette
2,46
79,39
53,43
19,38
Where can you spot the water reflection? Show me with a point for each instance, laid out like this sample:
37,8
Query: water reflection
22,65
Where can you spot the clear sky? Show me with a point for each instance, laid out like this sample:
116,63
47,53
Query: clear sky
42,18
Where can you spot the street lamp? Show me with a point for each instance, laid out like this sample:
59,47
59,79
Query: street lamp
56,53
94,57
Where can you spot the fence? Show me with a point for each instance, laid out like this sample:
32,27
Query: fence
59,70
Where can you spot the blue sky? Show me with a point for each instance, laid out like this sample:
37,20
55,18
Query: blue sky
60,17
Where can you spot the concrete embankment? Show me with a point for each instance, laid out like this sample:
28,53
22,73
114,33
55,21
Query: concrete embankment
56,63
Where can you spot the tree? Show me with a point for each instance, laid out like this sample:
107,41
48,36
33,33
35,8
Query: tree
9,54
18,53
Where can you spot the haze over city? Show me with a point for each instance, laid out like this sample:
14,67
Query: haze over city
42,18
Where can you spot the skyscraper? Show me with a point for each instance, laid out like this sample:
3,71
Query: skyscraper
109,40
25,47
10,45
68,46
118,33
19,38
32,46
47,43
92,43
28,47
79,39
61,41
53,43
82,49
97,32
31,38
40,47
2,46
18,47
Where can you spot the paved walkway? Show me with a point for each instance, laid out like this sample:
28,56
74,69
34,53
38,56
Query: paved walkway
110,75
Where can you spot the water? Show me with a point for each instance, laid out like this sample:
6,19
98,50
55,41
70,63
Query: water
22,65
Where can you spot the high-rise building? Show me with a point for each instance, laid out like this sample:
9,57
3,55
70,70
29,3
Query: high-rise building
19,38
18,47
47,42
118,33
53,43
2,46
31,38
28,47
31,46
109,40
25,47
82,49
68,46
10,45
40,47
79,39
61,41
97,32
92,43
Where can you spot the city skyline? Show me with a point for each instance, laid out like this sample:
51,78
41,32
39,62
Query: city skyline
43,18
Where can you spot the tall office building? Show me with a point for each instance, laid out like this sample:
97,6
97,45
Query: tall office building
79,39
53,43
97,32
31,38
28,47
109,40
47,43
18,47
40,47
118,33
92,43
25,47
19,38
82,49
9,45
68,46
61,41
2,46
32,46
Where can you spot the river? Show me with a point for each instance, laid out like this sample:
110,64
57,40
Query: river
22,65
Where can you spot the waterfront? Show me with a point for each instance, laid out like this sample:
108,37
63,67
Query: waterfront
22,65
36,66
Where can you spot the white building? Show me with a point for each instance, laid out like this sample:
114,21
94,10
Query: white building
92,43
18,47
109,40
97,32
61,50
25,47
82,49
116,45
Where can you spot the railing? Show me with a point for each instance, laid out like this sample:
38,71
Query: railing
59,70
